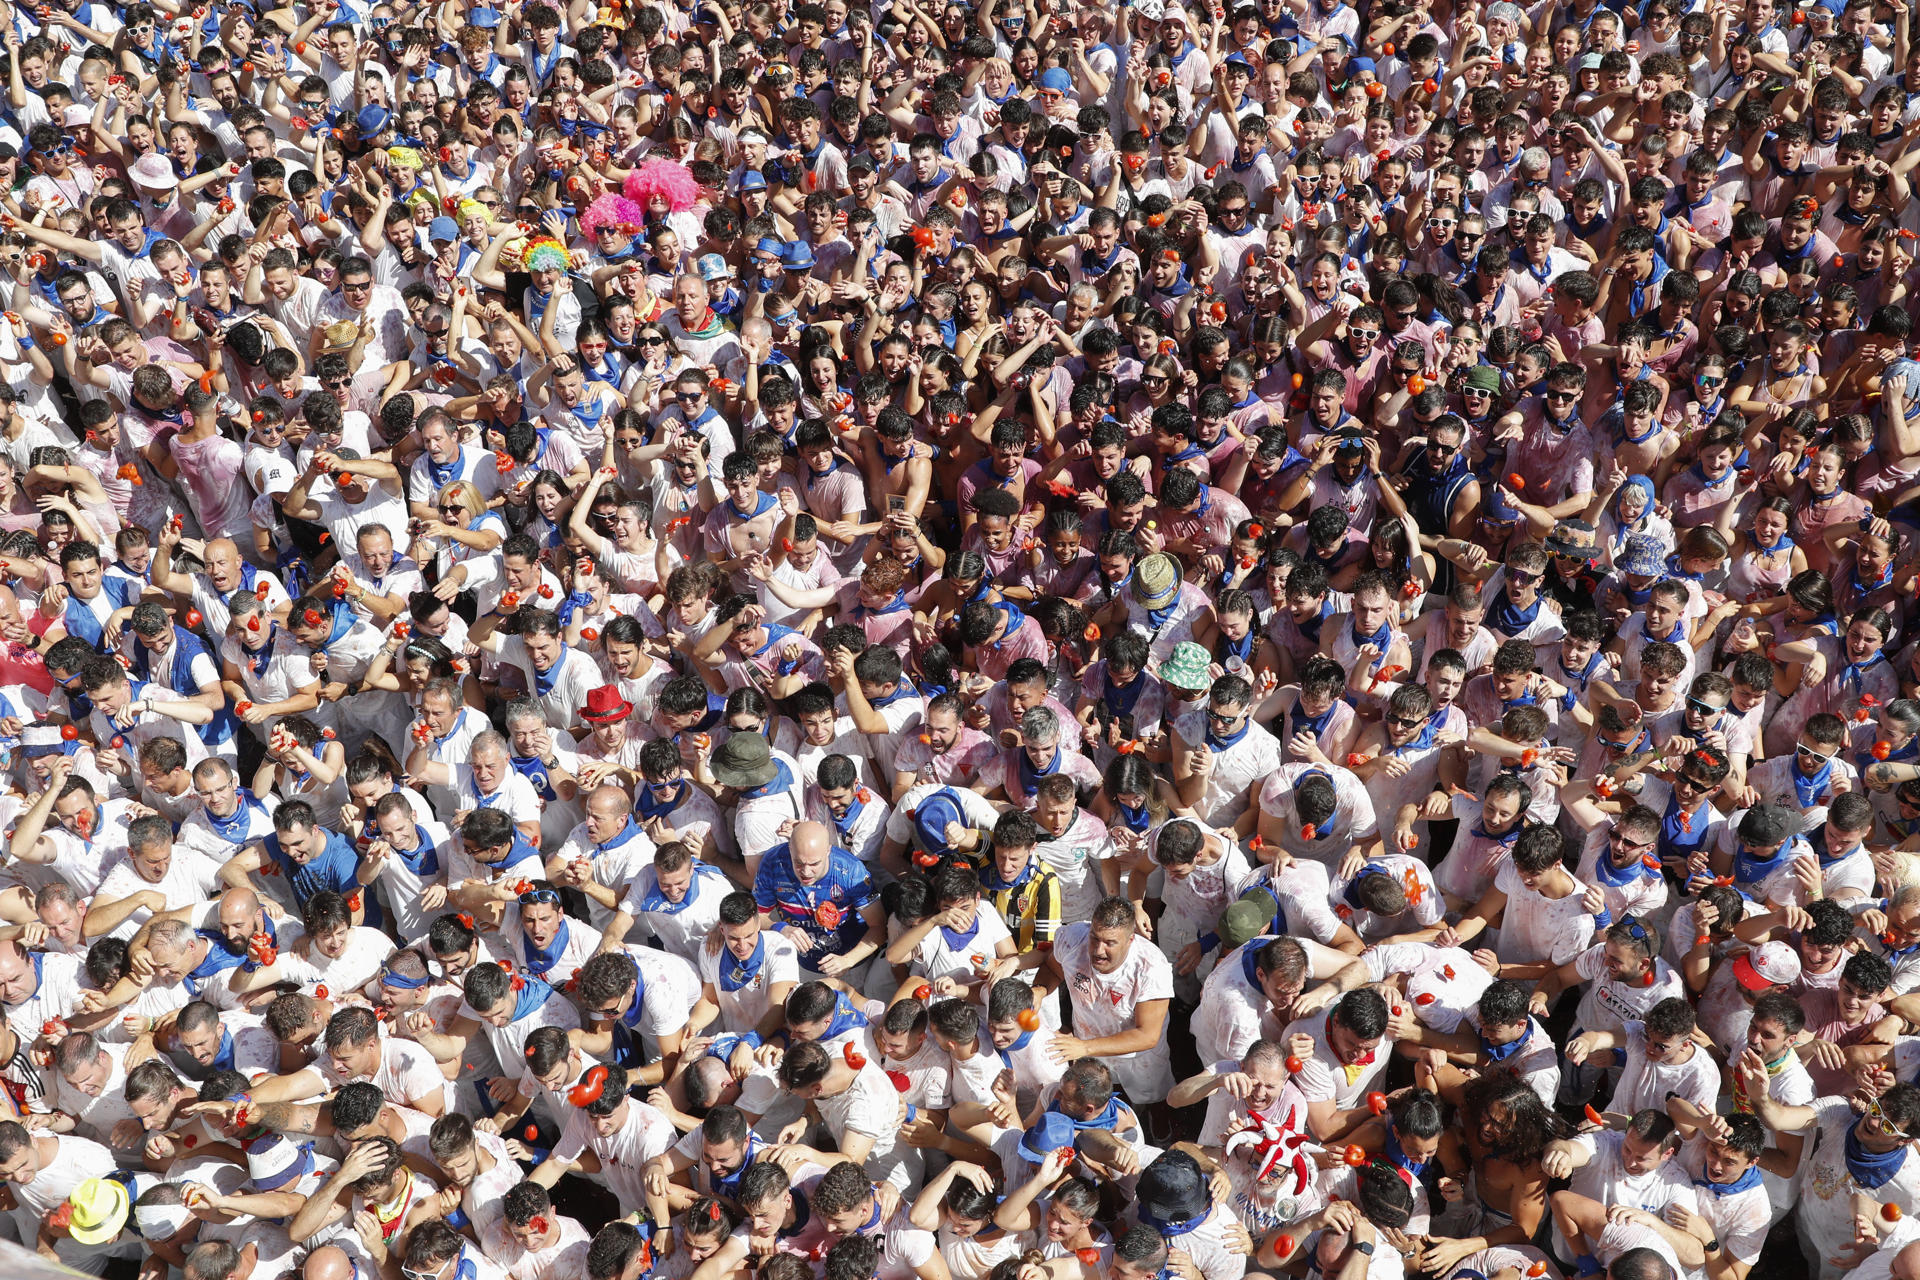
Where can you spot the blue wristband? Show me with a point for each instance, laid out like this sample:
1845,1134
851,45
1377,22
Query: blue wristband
26,341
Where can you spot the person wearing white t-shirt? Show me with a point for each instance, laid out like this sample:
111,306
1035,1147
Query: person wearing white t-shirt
1343,1052
859,1106
964,946
1658,1059
610,1140
1725,1168
1544,916
1121,986
746,981
1633,1166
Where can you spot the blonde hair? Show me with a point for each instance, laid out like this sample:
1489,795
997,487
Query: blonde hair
466,495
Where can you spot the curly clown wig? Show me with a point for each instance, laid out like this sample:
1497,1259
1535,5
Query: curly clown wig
668,180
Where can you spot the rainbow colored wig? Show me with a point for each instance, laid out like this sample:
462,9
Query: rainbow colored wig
544,253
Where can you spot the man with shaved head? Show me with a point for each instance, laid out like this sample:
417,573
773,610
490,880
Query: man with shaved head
602,854
226,572
823,900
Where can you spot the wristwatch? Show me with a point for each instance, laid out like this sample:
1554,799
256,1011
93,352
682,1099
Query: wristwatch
1712,1246
1363,1246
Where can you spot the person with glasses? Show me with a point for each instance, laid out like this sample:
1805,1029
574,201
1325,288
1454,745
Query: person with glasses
1812,775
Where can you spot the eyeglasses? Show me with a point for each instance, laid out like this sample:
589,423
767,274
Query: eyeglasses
1692,784
1808,753
356,286
1477,393
1233,211
335,384
1708,384
688,397
653,340
1153,380
1704,708
1405,722
1216,717
1879,1117
534,897
1619,841
1365,335
1435,224
1562,397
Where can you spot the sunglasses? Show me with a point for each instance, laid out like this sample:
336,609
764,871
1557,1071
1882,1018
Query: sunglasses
1365,335
1619,841
1704,708
1562,397
1405,722
1810,754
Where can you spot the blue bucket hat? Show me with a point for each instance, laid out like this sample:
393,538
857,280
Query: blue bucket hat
372,120
753,180
483,17
933,815
797,256
1644,557
1049,1133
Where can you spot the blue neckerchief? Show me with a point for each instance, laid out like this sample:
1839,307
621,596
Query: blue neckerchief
627,834
1108,1119
763,503
1421,1171
657,903
219,959
1676,841
1620,877
1015,620
1852,673
259,658
1745,1182
1751,871
1637,300
532,995
845,1018
444,475
540,960
223,1060
1428,736
1217,743
1311,627
1508,618
1298,721
1006,1054
896,605
776,634
1348,894
844,824
736,973
530,768
1030,776
543,681
1871,1169
957,940
1501,1052
1817,841
234,826
424,859
1381,640
1807,790
782,779
650,807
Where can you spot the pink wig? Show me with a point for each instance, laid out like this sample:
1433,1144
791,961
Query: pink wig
668,179
610,210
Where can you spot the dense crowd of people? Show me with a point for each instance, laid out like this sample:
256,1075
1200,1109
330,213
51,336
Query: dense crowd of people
1002,640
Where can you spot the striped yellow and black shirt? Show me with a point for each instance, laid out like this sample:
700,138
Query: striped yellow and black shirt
1031,907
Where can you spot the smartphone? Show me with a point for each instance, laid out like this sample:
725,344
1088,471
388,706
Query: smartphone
896,503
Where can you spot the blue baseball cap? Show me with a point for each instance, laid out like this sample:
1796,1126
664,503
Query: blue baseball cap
372,120
443,230
1358,64
1056,79
1049,1133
